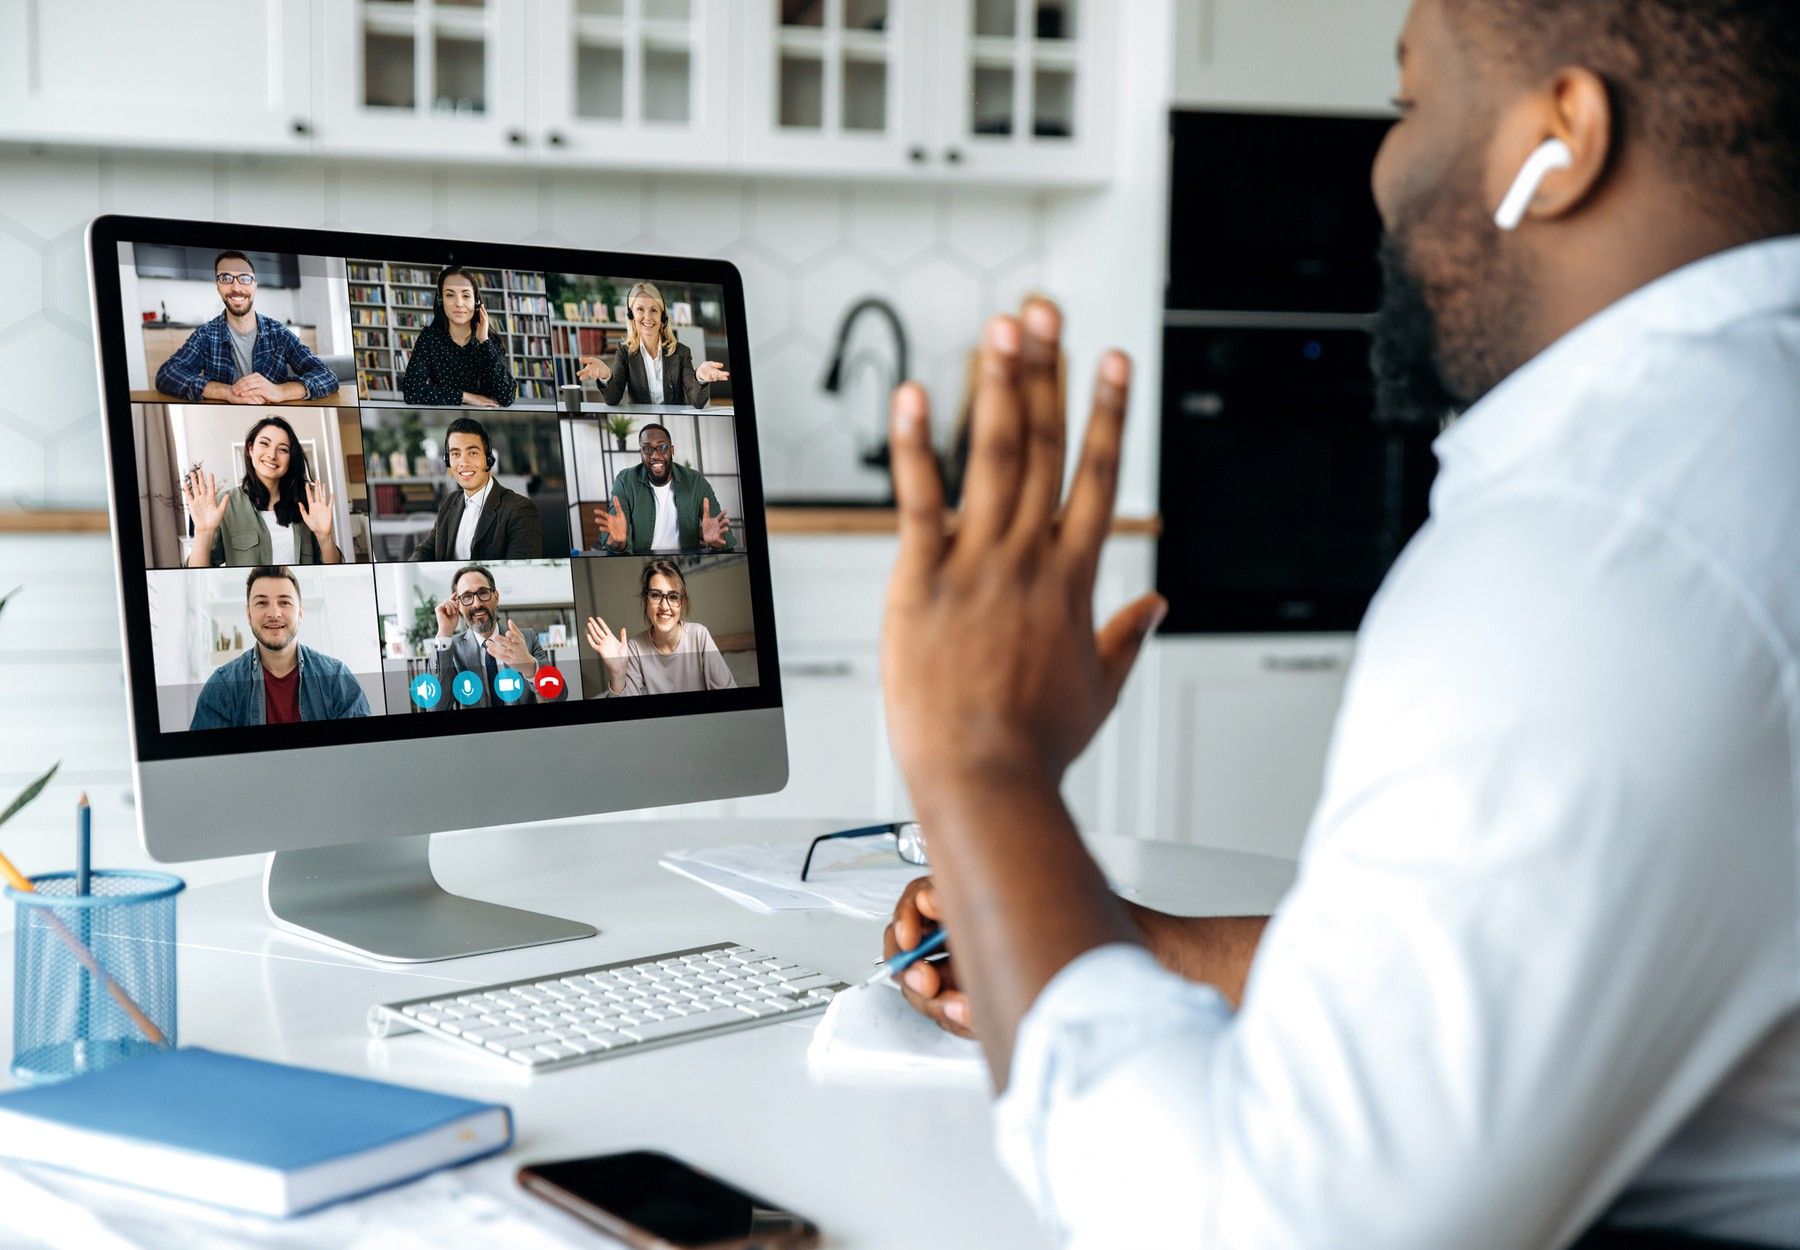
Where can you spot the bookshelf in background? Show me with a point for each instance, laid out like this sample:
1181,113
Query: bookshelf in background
391,303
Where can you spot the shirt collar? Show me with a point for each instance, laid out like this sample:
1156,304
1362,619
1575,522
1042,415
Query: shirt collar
479,499
1542,402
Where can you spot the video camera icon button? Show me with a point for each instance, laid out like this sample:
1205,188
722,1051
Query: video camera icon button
426,691
548,682
467,687
509,685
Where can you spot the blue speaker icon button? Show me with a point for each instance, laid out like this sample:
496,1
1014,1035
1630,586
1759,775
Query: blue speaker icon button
509,685
466,686
427,692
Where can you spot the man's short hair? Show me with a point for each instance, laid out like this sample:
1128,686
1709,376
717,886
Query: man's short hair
472,568
225,256
469,425
645,429
261,571
1710,88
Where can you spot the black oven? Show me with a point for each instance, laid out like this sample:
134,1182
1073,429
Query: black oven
1283,502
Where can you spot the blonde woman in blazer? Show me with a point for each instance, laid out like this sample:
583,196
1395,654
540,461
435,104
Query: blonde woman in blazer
650,366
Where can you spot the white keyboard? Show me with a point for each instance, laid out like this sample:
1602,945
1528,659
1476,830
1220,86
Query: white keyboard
615,1009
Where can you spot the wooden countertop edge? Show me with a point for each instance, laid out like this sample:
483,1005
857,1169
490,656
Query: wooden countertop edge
781,521
881,521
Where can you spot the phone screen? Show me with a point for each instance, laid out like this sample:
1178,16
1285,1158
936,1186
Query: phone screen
666,1197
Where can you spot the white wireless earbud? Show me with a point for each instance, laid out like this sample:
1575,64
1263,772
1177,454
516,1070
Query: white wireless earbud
1548,155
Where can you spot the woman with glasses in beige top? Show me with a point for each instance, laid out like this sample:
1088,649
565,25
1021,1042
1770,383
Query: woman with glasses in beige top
650,365
675,656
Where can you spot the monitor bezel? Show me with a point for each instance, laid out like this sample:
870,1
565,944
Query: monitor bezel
149,741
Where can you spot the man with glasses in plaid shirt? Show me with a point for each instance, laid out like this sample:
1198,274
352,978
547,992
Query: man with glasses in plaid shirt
241,356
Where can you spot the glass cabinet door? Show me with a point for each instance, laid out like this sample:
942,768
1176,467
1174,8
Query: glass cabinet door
1022,86
832,84
634,82
436,76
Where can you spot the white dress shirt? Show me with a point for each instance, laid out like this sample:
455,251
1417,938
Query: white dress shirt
1541,963
653,371
471,517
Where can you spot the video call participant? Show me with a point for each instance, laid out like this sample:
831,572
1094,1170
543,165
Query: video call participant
454,359
481,520
482,648
651,366
276,515
241,356
661,506
278,681
678,654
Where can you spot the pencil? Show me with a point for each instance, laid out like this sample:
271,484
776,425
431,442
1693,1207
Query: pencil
20,882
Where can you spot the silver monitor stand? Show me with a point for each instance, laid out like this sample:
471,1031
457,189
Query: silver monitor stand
380,899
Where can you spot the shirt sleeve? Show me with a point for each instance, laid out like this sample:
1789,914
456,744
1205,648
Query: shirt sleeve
718,673
497,379
183,373
1547,905
613,389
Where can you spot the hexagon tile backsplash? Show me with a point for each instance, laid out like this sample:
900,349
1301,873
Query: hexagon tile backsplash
943,257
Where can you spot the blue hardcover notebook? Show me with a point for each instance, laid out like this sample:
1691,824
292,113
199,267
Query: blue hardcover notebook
244,1133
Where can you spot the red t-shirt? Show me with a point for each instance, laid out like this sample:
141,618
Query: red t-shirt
281,697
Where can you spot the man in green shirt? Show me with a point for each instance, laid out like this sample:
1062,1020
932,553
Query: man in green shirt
661,506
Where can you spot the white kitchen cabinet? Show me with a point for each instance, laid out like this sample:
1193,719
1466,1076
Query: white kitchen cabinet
229,75
1287,54
639,83
1241,727
416,79
1009,91
1022,89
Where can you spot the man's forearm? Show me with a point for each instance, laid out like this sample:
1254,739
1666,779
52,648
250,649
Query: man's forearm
1212,950
1022,898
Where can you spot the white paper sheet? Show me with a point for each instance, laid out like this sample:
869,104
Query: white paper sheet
871,1032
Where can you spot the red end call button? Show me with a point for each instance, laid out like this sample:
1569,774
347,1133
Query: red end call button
548,683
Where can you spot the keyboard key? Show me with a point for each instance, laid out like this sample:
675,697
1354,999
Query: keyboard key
651,1031
812,982
492,1032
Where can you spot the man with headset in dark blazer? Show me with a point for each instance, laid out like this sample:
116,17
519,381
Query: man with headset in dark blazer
481,520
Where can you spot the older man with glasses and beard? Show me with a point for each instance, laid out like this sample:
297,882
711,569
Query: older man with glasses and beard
241,356
1538,980
481,647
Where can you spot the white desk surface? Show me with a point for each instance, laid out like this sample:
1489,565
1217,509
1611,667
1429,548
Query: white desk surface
875,1166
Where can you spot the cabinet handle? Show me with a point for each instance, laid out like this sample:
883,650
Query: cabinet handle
1302,663
556,138
516,138
300,126
953,156
820,668
916,155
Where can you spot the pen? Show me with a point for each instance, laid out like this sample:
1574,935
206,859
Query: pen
894,965
83,842
20,882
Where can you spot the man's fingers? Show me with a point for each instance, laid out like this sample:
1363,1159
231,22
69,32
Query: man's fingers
1041,478
918,490
1122,637
996,438
926,900
1089,512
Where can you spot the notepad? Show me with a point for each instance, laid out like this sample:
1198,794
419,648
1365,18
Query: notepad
245,1134
872,1032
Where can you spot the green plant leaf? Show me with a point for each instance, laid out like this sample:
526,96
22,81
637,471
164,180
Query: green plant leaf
31,791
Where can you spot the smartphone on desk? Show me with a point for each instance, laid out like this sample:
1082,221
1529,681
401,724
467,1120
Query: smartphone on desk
652,1201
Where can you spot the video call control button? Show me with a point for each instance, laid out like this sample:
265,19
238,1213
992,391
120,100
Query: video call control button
467,688
509,685
426,691
549,682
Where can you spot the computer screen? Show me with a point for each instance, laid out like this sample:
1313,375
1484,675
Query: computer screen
415,509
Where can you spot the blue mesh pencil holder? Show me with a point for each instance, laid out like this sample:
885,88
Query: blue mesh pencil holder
93,975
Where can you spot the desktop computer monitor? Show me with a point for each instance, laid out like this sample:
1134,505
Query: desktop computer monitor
417,535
